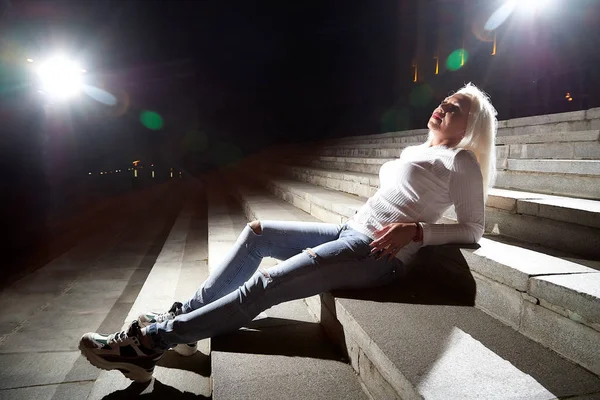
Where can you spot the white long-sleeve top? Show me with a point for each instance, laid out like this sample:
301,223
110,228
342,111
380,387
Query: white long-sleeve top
419,187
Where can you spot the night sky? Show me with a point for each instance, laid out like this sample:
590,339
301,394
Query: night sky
231,76
261,71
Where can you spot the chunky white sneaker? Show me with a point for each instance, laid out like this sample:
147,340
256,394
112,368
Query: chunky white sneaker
147,318
122,351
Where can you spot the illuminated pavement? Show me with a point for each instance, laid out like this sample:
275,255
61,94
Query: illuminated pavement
90,287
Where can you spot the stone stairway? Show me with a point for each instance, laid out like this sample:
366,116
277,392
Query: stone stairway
535,329
284,353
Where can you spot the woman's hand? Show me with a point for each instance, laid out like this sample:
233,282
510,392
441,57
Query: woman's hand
391,238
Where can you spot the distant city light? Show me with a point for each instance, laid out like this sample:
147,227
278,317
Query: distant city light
30,60
89,173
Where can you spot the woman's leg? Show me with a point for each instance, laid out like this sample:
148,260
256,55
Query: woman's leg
277,239
339,264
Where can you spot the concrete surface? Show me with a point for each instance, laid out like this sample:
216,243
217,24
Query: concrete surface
91,287
175,276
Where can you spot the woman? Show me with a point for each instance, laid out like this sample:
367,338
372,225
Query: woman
455,166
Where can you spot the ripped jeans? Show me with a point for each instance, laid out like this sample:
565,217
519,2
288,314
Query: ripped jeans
319,257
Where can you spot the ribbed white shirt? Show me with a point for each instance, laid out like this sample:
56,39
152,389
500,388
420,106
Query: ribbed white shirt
419,187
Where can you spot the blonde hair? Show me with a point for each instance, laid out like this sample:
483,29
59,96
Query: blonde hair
480,136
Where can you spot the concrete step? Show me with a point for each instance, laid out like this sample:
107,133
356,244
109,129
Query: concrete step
522,215
179,270
569,167
550,137
415,135
512,258
284,352
554,150
581,186
416,339
89,288
565,151
576,178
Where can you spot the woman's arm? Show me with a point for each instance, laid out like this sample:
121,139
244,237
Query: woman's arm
466,191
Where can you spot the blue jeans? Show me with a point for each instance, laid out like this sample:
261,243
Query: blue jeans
319,257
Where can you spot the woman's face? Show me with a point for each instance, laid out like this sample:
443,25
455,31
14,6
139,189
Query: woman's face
449,120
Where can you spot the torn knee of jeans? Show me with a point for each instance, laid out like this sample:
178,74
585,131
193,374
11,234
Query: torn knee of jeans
266,275
256,227
311,252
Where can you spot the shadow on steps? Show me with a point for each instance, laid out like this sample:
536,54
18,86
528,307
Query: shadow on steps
440,275
152,390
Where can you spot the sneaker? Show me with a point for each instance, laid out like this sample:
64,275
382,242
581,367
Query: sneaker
145,319
148,318
122,351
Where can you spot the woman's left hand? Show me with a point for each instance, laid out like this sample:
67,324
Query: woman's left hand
391,238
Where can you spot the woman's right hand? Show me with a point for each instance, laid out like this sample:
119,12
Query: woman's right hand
391,238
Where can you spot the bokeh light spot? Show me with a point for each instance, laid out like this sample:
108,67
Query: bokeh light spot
457,59
196,141
100,95
151,120
395,119
421,96
500,15
225,154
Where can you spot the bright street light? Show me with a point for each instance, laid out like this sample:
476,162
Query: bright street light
60,77
521,6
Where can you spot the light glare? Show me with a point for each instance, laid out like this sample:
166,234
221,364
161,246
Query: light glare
60,78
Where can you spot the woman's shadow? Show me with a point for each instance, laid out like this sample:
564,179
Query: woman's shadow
440,275
152,390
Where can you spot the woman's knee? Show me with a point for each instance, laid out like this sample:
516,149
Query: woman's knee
256,227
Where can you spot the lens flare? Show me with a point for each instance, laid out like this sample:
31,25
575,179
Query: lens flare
421,96
500,15
101,96
457,59
151,120
60,77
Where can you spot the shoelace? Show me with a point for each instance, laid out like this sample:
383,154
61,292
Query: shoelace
117,338
164,316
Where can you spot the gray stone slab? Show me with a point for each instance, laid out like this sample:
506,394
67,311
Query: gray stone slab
548,137
580,167
30,369
579,293
573,340
501,301
513,265
569,151
575,211
583,186
573,238
546,119
75,390
289,360
458,352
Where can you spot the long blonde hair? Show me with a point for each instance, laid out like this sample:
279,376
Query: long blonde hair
480,136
